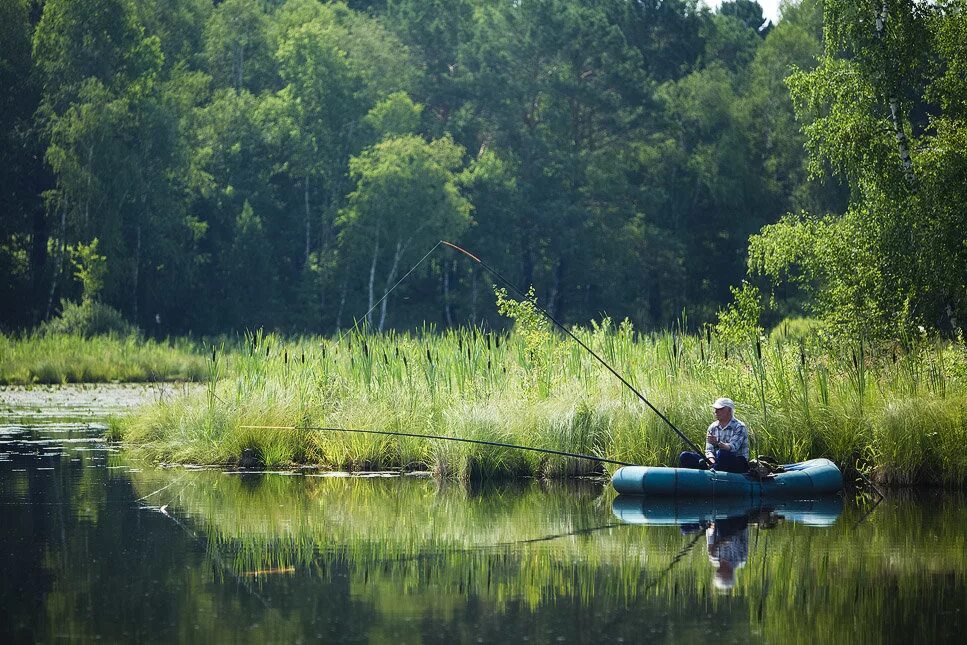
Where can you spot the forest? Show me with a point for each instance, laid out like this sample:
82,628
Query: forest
191,167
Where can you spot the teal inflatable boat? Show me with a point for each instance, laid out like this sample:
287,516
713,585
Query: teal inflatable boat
813,478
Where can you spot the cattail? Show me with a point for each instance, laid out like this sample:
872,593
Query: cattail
758,349
213,354
285,357
429,359
385,359
365,349
303,357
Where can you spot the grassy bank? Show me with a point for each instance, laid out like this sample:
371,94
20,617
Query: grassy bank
897,412
62,358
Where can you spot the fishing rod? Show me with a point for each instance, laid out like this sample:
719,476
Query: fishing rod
499,444
496,274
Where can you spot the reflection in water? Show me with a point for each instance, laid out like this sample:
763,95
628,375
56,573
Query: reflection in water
725,523
96,548
728,548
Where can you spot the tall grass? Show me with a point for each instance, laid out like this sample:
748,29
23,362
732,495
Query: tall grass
896,412
62,358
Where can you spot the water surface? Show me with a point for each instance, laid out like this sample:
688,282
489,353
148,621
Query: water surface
97,547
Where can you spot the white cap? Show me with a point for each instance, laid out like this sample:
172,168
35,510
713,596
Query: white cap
723,403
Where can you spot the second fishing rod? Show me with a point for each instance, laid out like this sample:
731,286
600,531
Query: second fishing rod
510,285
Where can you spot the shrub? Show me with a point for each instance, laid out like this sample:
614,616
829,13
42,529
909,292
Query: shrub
87,319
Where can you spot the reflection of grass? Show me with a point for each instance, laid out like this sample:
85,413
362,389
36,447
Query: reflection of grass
899,410
59,358
413,546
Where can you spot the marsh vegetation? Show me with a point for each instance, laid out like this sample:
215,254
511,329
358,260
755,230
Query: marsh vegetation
895,412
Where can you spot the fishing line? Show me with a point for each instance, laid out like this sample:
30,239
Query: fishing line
445,438
496,274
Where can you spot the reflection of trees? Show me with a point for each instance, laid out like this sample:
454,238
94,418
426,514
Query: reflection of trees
382,560
527,548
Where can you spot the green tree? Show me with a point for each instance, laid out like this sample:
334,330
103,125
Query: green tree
881,111
23,225
406,198
238,48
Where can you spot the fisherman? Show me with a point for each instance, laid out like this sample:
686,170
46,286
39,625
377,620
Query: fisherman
727,443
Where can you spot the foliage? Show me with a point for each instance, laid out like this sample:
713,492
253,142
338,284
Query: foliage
87,319
242,163
739,322
529,322
880,110
90,269
112,357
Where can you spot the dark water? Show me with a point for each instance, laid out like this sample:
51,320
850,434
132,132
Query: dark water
98,548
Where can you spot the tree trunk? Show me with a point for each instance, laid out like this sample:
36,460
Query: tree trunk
372,278
473,294
38,259
555,292
526,261
389,282
308,224
446,294
896,118
342,302
87,196
903,146
63,252
136,273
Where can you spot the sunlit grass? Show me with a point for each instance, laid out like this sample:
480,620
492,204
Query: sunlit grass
896,412
59,358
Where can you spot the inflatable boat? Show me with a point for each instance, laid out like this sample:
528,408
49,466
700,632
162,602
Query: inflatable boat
813,478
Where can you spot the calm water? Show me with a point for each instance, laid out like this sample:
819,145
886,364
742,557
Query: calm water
96,547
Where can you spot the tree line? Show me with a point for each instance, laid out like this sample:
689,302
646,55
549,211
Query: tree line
213,166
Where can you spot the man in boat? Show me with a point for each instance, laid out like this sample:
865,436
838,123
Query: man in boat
727,443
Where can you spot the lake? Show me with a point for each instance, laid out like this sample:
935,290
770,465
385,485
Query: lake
97,546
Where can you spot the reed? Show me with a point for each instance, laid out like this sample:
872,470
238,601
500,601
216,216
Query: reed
894,412
61,358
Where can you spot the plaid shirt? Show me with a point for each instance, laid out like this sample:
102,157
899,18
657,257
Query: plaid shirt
735,434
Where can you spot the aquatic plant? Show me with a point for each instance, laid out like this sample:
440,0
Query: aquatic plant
69,358
895,412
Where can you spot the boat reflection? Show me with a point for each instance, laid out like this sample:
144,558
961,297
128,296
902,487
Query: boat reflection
822,511
725,523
